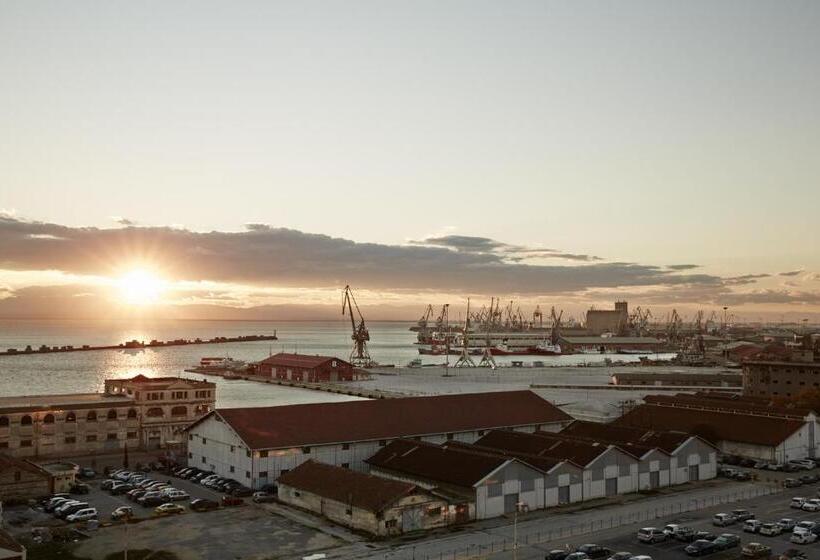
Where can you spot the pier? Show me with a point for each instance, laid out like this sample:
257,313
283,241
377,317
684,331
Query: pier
138,345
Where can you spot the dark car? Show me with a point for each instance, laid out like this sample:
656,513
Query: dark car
793,554
556,555
121,489
80,488
809,478
748,463
727,541
201,504
241,492
704,536
701,548
743,514
792,483
685,534
154,501
269,488
594,550
742,475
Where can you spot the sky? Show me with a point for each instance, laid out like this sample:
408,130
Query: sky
564,152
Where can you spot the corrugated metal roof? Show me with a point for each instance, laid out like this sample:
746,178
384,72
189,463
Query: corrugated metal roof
298,360
383,419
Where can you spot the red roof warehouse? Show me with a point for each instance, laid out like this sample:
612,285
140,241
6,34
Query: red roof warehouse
300,367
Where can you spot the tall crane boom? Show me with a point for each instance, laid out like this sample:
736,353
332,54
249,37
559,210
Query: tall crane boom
359,355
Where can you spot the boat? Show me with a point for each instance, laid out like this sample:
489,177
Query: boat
414,363
219,365
545,348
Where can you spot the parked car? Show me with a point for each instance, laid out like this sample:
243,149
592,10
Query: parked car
809,478
263,497
704,536
804,526
684,534
723,519
80,488
52,504
761,465
651,535
742,475
201,504
577,556
122,512
107,484
742,514
177,495
792,483
556,555
787,523
797,502
756,550
83,515
770,529
701,548
803,537
775,466
594,551
622,556
727,541
812,505
63,507
752,526
87,472
241,492
168,509
806,464
232,501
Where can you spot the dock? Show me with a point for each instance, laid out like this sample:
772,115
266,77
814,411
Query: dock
138,345
651,388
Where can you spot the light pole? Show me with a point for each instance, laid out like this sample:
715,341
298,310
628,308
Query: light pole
518,506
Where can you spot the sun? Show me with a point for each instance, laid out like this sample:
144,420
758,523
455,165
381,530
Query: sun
140,287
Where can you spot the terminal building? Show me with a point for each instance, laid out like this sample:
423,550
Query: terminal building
139,412
256,445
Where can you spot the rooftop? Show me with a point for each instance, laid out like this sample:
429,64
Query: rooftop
448,465
60,402
625,436
382,419
365,491
7,462
713,425
737,404
298,360
540,444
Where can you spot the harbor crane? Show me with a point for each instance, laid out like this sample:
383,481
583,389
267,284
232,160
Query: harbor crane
539,316
359,356
464,359
555,333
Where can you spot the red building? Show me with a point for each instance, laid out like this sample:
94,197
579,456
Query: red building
300,367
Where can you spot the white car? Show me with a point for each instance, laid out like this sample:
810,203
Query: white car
752,526
797,503
812,505
671,529
770,529
83,515
723,519
803,537
804,526
651,535
177,495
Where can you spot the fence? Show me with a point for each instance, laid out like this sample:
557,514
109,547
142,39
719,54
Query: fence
527,535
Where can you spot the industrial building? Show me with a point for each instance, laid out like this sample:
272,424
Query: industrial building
600,321
302,367
677,379
140,412
23,480
769,375
256,445
735,426
363,502
482,485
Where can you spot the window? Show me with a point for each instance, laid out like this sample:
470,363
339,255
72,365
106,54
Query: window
112,414
494,490
345,465
155,412
4,421
263,453
25,443
247,453
91,438
111,437
132,413
297,493
70,439
25,420
306,450
48,419
233,448
263,474
179,411
247,474
481,432
190,455
204,441
527,485
345,446
202,394
203,459
91,416
434,511
232,469
190,437
179,395
390,524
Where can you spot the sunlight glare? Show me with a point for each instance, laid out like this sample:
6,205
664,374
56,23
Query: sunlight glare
140,287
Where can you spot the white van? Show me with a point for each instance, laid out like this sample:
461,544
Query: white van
723,519
651,535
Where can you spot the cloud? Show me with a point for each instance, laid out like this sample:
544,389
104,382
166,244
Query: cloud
744,280
124,221
270,256
512,253
792,273
682,266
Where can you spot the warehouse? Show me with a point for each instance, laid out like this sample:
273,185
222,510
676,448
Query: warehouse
22,480
256,445
602,344
666,458
301,367
493,485
363,502
733,432
608,470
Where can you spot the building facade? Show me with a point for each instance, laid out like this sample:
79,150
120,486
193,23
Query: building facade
22,480
600,321
140,412
763,378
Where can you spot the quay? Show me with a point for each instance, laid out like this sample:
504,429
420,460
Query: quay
611,387
137,344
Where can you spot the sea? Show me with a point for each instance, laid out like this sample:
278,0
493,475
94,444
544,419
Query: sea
391,343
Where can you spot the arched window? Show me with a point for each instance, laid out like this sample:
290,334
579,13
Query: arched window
48,419
132,413
25,420
179,411
71,417
112,414
155,412
4,421
91,416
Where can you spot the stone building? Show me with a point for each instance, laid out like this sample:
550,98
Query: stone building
600,321
140,412
22,480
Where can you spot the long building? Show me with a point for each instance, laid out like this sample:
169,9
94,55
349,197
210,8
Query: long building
256,445
138,412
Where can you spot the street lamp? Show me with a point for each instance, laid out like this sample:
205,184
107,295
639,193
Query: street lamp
518,507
